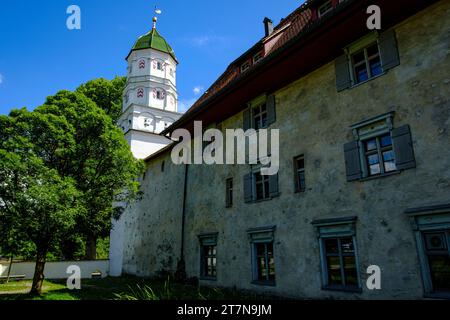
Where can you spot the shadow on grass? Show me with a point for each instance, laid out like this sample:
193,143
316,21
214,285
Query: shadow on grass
131,288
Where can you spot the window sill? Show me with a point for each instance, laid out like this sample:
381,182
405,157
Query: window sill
264,283
393,173
368,80
342,289
208,278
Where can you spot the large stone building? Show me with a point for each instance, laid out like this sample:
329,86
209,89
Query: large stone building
364,179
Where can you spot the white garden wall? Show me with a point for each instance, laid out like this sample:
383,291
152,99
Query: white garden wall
56,270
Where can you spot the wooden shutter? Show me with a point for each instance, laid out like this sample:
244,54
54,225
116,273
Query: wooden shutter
248,186
352,161
343,79
271,109
389,50
247,119
273,186
403,148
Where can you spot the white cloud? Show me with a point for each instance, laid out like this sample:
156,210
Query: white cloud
197,90
184,105
205,40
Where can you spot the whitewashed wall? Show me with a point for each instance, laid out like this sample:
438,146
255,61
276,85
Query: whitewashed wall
56,270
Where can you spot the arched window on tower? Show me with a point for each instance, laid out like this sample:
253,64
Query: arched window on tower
142,64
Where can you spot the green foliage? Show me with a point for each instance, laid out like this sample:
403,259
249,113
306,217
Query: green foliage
63,165
107,94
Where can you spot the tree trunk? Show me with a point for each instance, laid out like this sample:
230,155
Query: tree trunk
38,279
9,269
91,248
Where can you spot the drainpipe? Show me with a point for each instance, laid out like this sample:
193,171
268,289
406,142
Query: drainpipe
181,267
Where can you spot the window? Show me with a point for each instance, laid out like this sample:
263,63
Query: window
245,66
257,57
171,72
229,193
261,186
258,187
340,262
379,149
159,94
366,64
338,253
299,174
379,155
163,166
325,8
438,257
261,113
208,256
259,116
431,227
367,58
263,261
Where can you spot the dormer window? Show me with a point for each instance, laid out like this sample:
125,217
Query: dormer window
245,66
325,8
257,57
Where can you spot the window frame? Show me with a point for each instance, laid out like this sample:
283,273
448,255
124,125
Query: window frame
430,219
337,228
373,128
208,240
365,62
298,186
265,183
261,114
258,236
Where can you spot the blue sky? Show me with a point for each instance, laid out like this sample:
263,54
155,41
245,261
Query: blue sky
39,55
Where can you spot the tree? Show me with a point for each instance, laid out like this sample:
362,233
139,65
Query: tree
36,203
106,94
100,162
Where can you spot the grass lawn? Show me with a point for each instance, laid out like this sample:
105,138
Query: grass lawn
125,288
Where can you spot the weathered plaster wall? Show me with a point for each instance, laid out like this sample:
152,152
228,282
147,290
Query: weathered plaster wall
314,120
153,225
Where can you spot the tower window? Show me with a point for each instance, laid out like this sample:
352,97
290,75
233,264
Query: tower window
142,64
159,94
140,93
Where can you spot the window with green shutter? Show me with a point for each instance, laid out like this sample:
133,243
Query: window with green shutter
261,113
367,58
379,149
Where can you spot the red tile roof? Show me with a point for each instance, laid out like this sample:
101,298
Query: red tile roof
296,21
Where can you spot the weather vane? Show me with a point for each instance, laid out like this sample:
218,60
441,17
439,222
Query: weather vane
155,18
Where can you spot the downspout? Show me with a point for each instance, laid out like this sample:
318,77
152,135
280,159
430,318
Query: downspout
181,267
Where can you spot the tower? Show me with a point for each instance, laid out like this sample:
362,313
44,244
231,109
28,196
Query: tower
150,98
150,102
